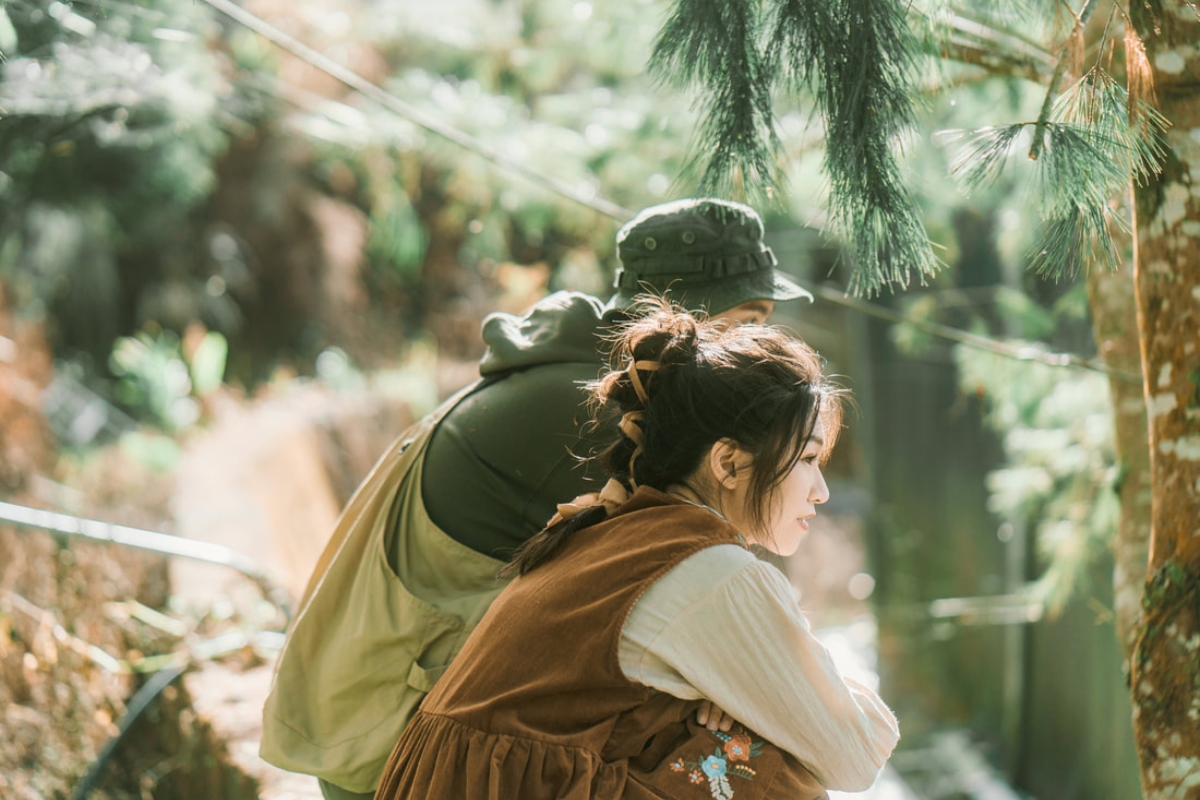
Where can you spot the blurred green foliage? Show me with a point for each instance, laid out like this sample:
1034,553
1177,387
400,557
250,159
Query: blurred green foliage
117,117
555,84
159,379
120,119
120,102
1060,476
113,116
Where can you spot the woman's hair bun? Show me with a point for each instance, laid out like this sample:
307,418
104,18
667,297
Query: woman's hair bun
659,333
664,334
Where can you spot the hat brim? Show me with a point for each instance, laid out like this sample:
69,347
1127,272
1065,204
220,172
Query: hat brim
721,294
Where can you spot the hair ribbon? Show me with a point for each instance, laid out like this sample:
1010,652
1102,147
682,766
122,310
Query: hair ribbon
612,496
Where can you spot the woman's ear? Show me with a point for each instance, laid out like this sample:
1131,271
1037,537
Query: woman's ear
729,463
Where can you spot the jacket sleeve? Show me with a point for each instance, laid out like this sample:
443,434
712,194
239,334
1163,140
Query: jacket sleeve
743,643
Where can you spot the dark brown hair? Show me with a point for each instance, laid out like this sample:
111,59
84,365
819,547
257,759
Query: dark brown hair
752,384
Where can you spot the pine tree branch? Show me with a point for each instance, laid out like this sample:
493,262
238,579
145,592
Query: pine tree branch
859,58
713,45
997,64
1060,71
966,23
968,38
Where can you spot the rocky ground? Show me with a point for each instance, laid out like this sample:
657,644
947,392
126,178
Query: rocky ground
83,624
68,643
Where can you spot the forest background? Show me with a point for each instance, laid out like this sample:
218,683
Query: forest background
195,223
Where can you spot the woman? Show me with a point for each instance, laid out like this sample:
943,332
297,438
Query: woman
641,605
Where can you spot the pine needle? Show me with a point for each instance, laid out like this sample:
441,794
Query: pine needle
796,31
858,56
1098,103
1090,149
1138,74
1073,237
1080,165
713,44
984,154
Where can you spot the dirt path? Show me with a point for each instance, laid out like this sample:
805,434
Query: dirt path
268,480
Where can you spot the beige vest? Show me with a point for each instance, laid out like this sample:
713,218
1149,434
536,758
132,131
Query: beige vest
370,639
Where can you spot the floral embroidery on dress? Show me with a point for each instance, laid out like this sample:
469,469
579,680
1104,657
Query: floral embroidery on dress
738,747
717,768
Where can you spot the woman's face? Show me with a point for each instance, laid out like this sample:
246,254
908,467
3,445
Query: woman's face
796,499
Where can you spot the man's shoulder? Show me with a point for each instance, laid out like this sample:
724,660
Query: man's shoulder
563,327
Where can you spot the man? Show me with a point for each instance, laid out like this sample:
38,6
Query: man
411,568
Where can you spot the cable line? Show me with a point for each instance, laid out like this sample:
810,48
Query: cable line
1022,352
413,114
616,212
152,541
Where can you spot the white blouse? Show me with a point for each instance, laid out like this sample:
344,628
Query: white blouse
724,626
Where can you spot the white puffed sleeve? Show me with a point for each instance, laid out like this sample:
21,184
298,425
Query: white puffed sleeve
724,626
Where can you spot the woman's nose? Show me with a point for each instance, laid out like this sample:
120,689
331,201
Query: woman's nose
820,492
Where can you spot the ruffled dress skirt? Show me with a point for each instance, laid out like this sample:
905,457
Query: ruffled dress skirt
440,758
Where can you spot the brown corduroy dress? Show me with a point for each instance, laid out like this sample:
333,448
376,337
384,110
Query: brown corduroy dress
536,706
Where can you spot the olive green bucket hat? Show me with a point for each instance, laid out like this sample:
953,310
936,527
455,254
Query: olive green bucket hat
703,253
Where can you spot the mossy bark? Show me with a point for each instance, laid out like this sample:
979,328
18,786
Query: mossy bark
1165,670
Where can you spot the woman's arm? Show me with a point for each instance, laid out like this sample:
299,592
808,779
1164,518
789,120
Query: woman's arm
724,626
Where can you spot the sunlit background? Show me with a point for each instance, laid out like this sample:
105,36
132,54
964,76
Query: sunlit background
228,280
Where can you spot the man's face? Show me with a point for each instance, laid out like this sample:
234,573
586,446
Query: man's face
755,312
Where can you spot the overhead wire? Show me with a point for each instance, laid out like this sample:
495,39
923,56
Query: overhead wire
1021,352
414,114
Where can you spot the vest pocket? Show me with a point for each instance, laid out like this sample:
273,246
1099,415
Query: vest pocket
382,664
417,642
360,666
422,679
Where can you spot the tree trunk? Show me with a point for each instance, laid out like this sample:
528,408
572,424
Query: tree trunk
1165,669
1114,326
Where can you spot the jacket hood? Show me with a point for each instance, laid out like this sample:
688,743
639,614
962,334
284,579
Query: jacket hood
561,328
